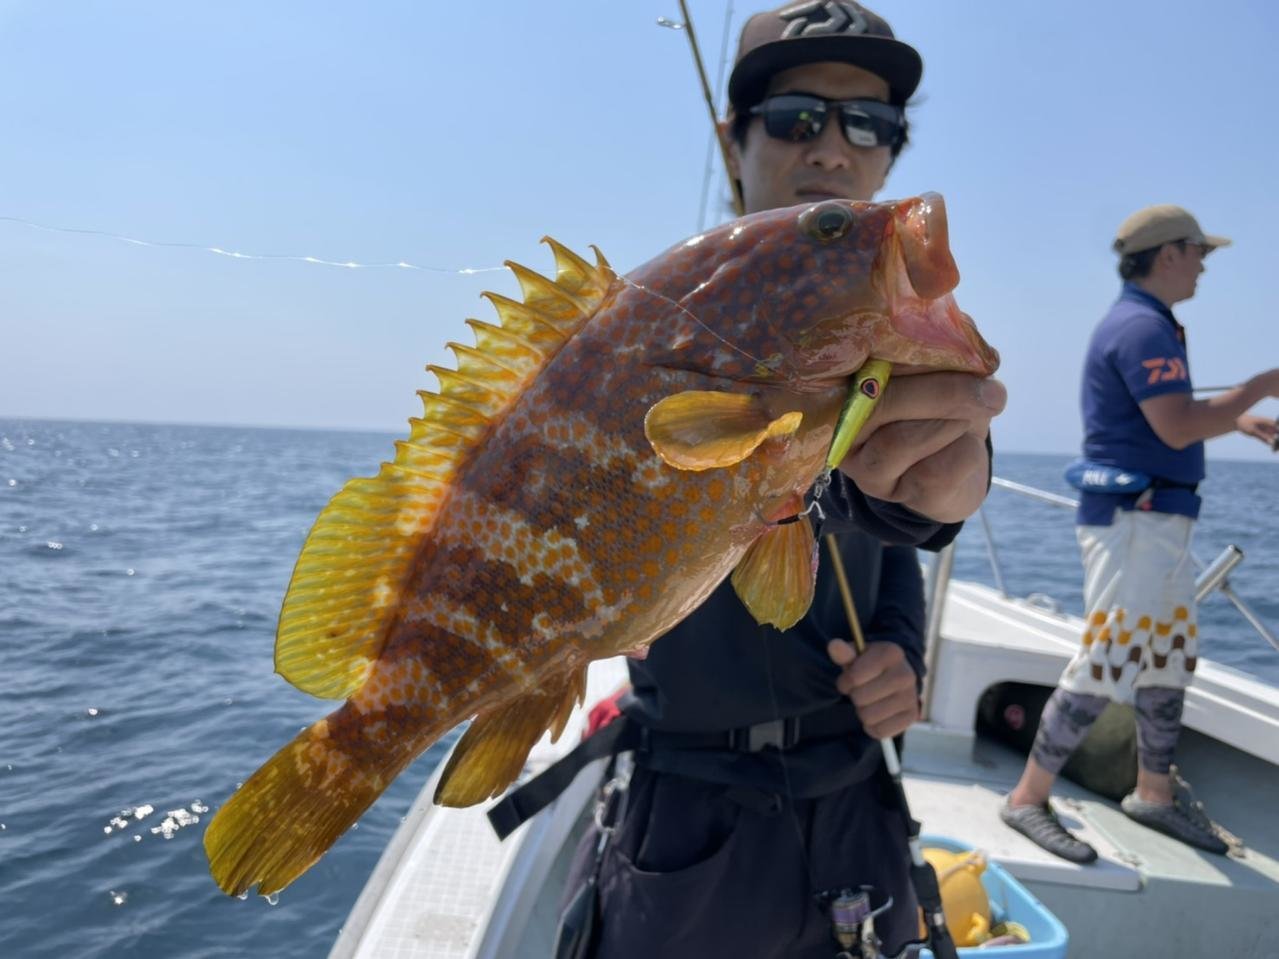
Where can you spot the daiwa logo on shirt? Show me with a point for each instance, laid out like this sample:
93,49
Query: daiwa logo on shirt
822,17
1164,370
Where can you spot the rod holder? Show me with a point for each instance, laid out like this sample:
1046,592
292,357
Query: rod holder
1215,574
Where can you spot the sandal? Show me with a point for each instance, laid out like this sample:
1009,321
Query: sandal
1040,825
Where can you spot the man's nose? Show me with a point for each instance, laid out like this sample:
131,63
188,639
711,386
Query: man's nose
830,150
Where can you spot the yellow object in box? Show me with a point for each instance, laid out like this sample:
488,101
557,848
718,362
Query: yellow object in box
963,897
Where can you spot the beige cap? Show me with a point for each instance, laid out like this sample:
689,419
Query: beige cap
1156,225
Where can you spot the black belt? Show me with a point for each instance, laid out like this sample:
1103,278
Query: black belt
623,733
782,734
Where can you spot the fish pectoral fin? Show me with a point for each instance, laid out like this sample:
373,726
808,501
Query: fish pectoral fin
706,429
776,577
491,754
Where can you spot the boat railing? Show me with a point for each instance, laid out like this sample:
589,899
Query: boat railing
1212,577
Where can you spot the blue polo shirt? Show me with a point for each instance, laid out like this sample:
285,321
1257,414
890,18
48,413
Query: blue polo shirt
1137,351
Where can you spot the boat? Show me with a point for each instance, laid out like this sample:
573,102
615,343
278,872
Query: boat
447,887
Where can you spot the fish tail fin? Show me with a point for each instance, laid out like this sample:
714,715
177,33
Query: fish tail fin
295,807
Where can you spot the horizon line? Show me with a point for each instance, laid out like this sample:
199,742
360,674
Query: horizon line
390,432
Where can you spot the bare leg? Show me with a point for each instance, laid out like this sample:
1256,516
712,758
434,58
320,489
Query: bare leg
1034,786
1154,787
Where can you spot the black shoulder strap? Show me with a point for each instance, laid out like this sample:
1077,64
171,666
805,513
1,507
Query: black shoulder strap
525,802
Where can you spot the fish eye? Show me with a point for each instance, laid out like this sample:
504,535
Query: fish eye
826,221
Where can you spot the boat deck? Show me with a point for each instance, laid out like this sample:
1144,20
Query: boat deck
1188,900
447,889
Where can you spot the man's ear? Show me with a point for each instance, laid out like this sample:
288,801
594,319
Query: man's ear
732,153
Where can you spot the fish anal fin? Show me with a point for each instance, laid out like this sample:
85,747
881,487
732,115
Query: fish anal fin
707,429
492,752
775,579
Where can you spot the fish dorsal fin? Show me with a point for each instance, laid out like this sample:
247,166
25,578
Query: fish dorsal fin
776,577
705,429
491,753
345,590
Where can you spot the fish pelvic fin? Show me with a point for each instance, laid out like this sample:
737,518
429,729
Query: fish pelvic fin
289,812
492,752
347,585
706,429
776,577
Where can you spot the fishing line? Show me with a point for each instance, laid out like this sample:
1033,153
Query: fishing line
713,139
238,255
694,317
346,265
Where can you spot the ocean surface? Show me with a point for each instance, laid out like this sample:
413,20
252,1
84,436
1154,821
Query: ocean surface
141,572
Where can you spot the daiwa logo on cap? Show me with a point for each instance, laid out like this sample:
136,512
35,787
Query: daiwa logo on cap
821,18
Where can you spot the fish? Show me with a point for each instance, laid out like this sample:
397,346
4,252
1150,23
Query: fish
597,463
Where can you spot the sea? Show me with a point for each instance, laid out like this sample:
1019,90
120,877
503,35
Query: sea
141,572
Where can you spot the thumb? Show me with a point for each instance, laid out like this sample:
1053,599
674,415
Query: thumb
841,652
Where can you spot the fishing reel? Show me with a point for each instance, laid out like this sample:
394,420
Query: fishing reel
852,920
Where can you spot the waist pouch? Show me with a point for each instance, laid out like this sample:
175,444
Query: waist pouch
1089,477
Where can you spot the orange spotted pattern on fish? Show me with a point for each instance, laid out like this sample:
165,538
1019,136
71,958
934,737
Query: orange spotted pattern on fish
592,469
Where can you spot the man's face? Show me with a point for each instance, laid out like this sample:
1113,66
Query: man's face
778,173
1184,267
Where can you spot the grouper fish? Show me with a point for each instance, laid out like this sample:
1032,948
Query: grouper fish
592,469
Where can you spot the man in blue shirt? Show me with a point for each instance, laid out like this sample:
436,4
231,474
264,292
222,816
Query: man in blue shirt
1140,642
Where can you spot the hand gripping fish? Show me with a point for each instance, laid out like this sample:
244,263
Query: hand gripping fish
595,466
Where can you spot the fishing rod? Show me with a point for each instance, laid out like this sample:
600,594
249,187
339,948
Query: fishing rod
739,206
1274,444
850,909
922,875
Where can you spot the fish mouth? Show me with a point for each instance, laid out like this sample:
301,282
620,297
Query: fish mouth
929,330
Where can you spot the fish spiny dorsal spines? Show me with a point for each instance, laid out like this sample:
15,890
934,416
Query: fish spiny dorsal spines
464,388
516,351
484,366
520,318
565,308
574,273
435,461
448,413
424,431
346,588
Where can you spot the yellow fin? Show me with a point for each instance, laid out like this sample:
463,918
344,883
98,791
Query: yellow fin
292,810
700,430
490,754
776,576
346,587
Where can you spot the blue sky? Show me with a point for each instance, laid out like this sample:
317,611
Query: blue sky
456,135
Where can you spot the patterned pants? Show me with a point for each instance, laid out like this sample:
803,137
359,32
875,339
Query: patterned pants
1139,607
1068,716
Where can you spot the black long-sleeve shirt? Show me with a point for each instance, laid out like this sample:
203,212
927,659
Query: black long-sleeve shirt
720,670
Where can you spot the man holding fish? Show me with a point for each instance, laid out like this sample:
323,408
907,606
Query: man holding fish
759,789
620,452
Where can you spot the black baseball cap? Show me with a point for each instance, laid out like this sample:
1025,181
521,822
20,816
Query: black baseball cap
814,31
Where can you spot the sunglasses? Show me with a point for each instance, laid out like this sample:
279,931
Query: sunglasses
797,117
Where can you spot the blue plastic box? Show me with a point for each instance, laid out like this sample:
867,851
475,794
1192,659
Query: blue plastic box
1010,900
